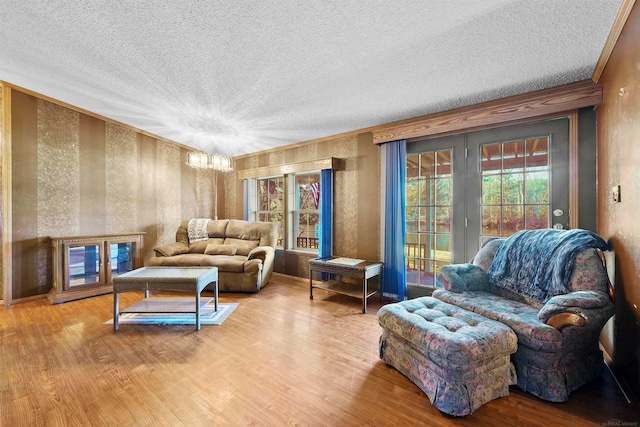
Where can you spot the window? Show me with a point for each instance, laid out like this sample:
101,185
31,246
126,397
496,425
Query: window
305,213
297,214
270,203
515,187
429,215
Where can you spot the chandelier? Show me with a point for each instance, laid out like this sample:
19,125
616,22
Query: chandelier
200,160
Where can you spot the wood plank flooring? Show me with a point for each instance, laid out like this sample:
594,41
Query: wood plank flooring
279,359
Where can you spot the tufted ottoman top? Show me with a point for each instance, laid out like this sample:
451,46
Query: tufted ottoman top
446,333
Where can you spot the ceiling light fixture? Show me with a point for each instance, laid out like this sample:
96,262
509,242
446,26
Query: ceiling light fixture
200,160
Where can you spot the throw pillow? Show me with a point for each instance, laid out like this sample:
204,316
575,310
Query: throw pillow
213,249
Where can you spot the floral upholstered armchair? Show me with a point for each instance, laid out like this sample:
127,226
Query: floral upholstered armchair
552,289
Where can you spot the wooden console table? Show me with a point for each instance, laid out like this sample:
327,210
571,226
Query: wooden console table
84,266
345,267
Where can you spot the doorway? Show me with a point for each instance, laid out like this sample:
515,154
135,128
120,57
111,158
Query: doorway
467,188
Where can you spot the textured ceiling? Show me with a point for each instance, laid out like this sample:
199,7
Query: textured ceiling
236,77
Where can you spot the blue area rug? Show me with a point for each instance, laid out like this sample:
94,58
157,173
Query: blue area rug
170,311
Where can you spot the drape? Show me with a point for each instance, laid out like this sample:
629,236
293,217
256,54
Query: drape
325,248
394,277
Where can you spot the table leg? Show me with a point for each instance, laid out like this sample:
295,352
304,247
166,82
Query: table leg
198,310
310,284
115,311
216,296
364,296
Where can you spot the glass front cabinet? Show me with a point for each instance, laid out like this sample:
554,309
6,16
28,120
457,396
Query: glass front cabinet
84,266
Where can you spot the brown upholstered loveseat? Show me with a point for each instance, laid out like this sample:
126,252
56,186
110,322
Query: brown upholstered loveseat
243,251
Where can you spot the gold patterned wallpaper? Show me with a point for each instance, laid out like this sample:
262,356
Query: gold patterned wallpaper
76,174
356,196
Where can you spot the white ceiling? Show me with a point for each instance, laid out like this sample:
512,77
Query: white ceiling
236,77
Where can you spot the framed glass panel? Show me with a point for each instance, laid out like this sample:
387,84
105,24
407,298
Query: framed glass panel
429,212
123,258
515,195
84,264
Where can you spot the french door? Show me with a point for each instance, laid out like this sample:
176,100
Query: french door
465,189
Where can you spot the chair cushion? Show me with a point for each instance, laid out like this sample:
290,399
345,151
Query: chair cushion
519,316
233,264
214,249
244,246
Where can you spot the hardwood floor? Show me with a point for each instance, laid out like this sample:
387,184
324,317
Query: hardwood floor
279,359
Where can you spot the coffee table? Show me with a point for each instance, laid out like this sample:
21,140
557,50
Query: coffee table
181,279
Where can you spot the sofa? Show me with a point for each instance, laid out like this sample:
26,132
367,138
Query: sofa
552,289
243,251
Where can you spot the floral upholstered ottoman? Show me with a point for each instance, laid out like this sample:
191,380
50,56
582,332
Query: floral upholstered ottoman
459,359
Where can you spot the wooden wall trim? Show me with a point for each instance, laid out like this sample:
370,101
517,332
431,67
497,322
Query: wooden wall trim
7,228
313,165
614,34
574,202
501,111
95,115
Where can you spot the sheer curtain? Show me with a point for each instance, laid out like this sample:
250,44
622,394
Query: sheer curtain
394,278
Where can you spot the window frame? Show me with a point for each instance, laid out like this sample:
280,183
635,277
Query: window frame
255,212
288,240
294,214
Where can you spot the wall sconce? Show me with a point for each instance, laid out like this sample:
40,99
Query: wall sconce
200,160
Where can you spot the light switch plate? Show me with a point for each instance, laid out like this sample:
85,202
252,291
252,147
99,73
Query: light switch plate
615,194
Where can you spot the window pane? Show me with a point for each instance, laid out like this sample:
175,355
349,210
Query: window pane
426,192
426,245
491,220
443,191
513,188
412,219
426,220
513,220
443,163
537,152
491,155
491,190
537,187
443,247
537,217
443,220
513,156
412,166
412,192
427,165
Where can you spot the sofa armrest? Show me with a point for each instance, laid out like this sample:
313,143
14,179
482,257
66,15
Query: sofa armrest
463,277
171,249
574,308
261,252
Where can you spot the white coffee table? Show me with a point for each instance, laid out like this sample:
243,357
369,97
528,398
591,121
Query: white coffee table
181,279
